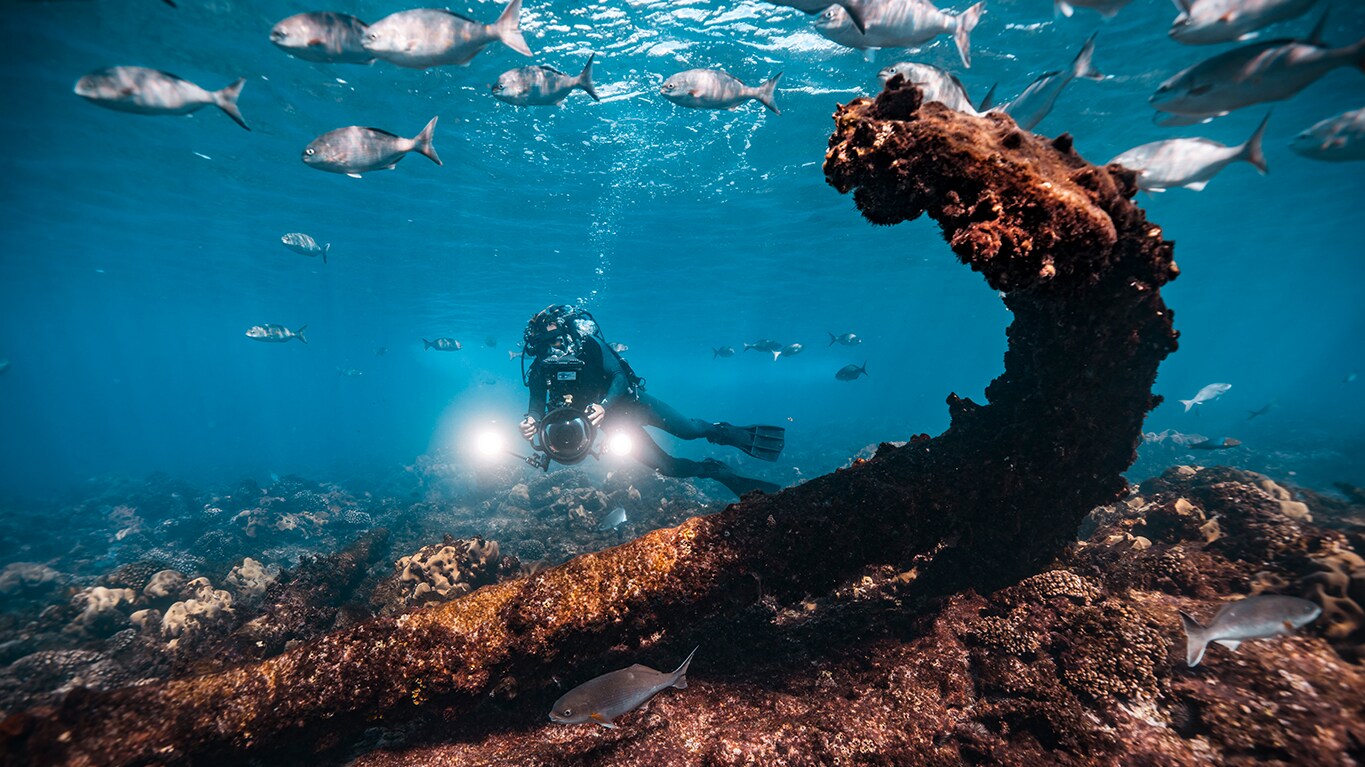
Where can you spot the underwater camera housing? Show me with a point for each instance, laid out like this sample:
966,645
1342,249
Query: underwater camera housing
565,435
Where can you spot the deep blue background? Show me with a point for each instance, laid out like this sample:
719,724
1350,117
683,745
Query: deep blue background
132,266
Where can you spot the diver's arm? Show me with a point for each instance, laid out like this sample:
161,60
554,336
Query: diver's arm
536,408
620,383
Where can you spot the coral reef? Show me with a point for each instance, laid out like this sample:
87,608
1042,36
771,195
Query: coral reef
994,499
441,572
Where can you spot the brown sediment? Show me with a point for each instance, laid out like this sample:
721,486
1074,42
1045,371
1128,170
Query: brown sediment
993,499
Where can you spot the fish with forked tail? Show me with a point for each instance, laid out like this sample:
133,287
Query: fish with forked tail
323,36
430,37
442,345
1189,162
276,334
542,85
355,150
851,372
1258,617
305,245
608,696
901,24
717,89
152,92
1207,394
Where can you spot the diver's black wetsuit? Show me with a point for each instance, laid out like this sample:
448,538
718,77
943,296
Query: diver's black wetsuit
604,381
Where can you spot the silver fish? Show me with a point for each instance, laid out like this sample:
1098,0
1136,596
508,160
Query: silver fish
542,85
1258,617
305,245
619,348
765,345
1030,107
854,8
716,89
275,334
152,92
1189,162
851,372
901,24
1336,139
442,345
724,351
608,696
1202,22
323,36
615,519
431,37
1267,71
934,84
790,350
1107,8
847,339
355,150
1207,394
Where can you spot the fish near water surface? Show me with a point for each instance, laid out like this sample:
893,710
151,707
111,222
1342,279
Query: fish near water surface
304,245
608,696
276,334
901,24
1036,102
717,89
542,85
431,37
1258,617
355,150
1203,22
934,84
152,92
323,36
854,8
1207,394
1252,74
1336,139
1106,8
1189,162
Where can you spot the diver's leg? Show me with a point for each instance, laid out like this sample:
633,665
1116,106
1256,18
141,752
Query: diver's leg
762,442
648,452
656,412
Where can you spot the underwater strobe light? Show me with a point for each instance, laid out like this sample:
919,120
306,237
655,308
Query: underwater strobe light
621,443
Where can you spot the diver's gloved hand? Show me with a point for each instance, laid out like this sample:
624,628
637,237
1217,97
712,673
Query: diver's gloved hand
596,413
528,428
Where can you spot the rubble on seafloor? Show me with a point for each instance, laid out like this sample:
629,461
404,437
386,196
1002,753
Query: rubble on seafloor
155,579
1082,663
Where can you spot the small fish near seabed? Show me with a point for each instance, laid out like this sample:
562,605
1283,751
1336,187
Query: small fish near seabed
1227,444
1036,102
442,345
723,351
1207,394
323,36
276,334
608,696
1204,22
846,339
1258,617
152,92
305,245
432,37
790,350
1189,162
1268,71
355,150
542,85
1336,139
901,24
615,519
717,89
1106,8
936,84
854,8
851,372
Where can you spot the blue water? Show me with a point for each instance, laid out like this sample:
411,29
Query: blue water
138,250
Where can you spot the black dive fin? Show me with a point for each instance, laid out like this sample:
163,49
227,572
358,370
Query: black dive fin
762,442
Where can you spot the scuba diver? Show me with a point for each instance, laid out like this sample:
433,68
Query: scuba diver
575,371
